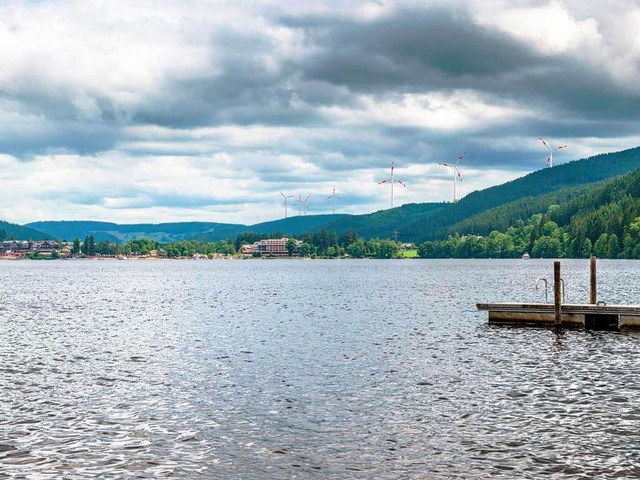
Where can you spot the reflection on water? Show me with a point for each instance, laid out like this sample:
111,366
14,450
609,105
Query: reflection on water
320,369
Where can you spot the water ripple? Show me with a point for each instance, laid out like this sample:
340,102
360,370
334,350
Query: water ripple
285,369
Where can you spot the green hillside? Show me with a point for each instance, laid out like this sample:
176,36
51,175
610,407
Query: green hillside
388,223
174,232
601,219
297,224
11,231
502,217
572,174
68,230
294,225
381,224
608,213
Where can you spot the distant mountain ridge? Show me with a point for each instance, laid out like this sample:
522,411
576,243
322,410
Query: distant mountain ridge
408,223
173,232
18,232
120,233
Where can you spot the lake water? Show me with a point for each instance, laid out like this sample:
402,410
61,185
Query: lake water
309,369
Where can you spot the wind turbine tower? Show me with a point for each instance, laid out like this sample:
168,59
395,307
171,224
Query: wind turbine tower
550,157
303,205
299,204
334,196
286,202
456,175
392,179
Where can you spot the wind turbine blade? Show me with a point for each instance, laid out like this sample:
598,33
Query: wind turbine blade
548,160
383,181
461,157
445,164
545,143
562,146
401,182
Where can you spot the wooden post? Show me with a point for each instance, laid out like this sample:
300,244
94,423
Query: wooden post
593,298
557,292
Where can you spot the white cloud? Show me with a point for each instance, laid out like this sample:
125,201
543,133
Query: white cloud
456,111
552,28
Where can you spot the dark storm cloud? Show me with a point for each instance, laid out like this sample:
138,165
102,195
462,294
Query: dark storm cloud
416,49
246,89
224,101
59,137
48,119
439,49
412,51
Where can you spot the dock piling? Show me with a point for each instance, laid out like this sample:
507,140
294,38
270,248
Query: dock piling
593,298
557,292
592,316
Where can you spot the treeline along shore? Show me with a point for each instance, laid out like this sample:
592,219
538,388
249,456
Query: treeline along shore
541,236
323,244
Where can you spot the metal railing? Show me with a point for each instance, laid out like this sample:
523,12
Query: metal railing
546,288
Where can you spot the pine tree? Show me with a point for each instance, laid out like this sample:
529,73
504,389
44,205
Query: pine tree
85,246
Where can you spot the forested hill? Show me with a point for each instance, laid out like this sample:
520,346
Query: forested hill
174,232
548,180
11,231
611,209
390,223
294,225
502,217
601,219
381,224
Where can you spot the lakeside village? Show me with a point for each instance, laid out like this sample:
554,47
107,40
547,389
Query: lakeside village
250,245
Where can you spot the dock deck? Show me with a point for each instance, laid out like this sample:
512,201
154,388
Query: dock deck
596,317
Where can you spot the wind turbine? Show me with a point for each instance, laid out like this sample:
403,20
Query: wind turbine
392,179
334,196
456,174
286,202
303,204
550,157
299,204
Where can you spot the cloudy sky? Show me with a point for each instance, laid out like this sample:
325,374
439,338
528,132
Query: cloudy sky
203,110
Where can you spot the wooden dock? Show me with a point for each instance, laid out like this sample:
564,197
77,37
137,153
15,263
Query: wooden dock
594,317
